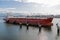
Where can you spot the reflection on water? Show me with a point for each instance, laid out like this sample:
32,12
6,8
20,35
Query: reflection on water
13,32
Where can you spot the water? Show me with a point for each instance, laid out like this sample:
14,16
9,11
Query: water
13,32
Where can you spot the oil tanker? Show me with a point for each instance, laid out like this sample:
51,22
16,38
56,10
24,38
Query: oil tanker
31,20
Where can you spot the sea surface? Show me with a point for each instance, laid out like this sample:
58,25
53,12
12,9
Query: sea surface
14,32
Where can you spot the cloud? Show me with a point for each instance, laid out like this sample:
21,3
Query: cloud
29,8
6,0
55,10
7,9
13,10
21,0
48,2
17,0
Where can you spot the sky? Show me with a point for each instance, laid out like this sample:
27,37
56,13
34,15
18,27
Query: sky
47,2
46,6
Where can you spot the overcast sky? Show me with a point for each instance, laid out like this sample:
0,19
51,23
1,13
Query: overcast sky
48,2
54,5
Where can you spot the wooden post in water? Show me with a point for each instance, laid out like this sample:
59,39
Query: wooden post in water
27,26
20,25
39,28
57,29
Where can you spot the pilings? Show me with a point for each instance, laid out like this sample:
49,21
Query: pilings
57,29
20,25
39,28
27,26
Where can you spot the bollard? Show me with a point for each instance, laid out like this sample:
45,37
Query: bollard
20,25
27,26
39,28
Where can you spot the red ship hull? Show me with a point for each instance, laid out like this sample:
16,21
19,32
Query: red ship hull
43,22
